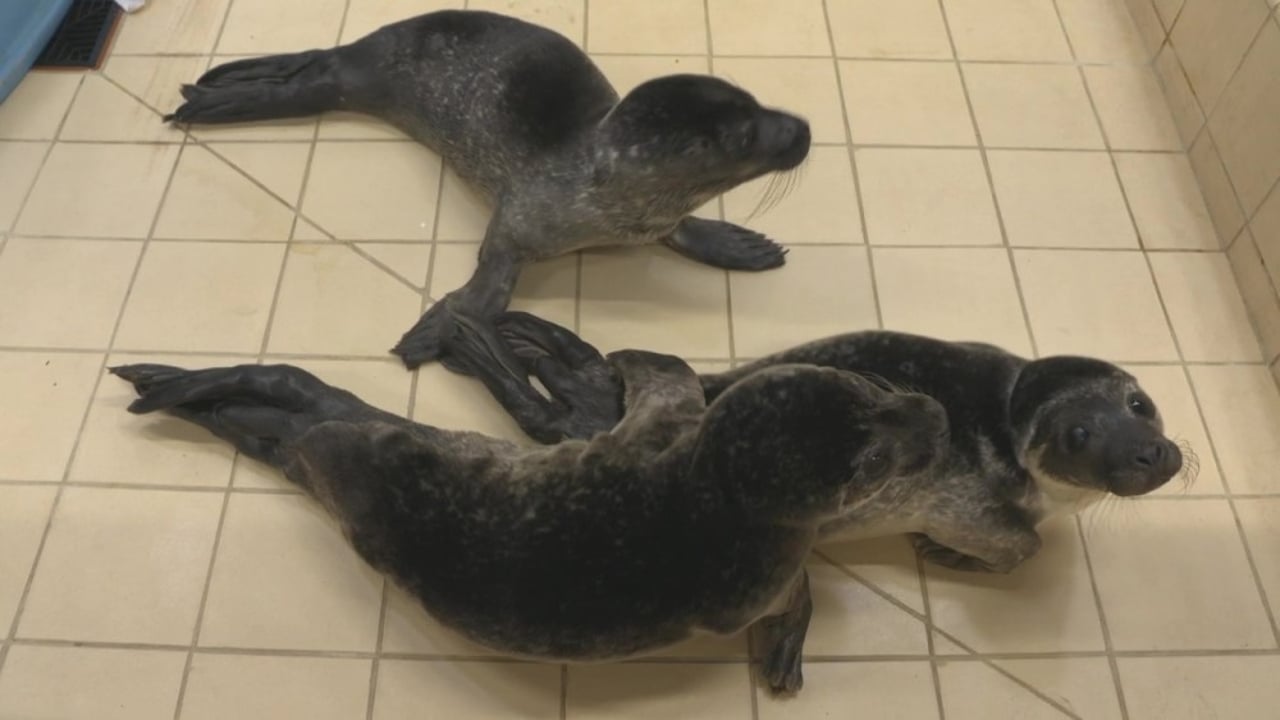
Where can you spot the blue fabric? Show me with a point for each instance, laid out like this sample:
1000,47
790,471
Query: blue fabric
25,28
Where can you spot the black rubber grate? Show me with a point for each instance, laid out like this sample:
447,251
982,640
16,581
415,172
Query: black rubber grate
82,38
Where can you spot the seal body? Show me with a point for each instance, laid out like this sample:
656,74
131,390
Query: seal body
684,518
524,115
1027,438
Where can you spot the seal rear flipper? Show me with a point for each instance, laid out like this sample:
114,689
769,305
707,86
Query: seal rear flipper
258,409
781,638
266,88
725,245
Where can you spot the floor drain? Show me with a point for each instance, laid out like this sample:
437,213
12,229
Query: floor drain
81,40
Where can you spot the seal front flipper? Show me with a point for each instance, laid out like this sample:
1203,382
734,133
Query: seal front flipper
725,245
781,639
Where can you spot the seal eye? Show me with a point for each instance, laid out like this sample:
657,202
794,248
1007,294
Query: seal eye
1142,406
1077,438
875,464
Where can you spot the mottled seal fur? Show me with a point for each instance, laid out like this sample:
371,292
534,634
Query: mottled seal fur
524,116
1028,438
683,518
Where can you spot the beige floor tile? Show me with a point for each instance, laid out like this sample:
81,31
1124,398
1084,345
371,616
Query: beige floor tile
1059,199
246,687
654,299
21,161
71,682
803,86
902,29
155,81
1046,605
921,289
1173,575
926,197
1169,387
1190,688
408,629
625,72
1032,106
63,293
36,107
889,691
53,390
905,103
1266,233
1261,522
1219,196
373,191
211,200
105,112
198,297
123,566
278,167
24,512
334,302
1147,21
286,578
1167,10
547,289
409,261
714,647
1209,317
467,690
1183,105
113,189
1020,30
1166,201
822,206
1135,115
1242,411
365,16
648,26
273,27
762,27
1102,31
181,26
340,125
567,17
821,291
646,691
851,619
1094,303
887,563
972,690
454,402
117,446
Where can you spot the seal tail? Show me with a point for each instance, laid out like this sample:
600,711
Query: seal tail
265,88
259,409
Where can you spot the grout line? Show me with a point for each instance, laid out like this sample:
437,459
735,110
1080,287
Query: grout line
1103,623
226,496
991,184
930,643
1217,105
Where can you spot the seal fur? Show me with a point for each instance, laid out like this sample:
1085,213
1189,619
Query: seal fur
523,115
683,518
1028,438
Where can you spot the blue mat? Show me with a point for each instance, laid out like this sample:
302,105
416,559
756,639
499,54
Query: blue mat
25,28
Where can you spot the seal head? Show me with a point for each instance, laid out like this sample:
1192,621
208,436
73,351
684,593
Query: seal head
1086,427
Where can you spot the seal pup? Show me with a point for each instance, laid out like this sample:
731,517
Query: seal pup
1029,438
523,115
683,518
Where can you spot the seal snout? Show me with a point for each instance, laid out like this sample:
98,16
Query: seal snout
785,138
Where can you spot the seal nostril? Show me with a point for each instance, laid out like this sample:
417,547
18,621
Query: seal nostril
1150,456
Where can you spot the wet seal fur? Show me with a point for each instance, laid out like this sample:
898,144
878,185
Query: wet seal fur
1029,439
683,518
523,115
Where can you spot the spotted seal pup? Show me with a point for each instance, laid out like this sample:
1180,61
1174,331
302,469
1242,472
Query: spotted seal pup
683,518
1028,438
522,114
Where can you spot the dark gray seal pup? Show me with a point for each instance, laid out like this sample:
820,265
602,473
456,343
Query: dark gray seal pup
524,116
1028,438
683,518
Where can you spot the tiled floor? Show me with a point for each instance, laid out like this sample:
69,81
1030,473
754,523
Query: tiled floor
1032,193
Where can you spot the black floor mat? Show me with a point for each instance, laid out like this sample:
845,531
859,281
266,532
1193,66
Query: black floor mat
82,38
